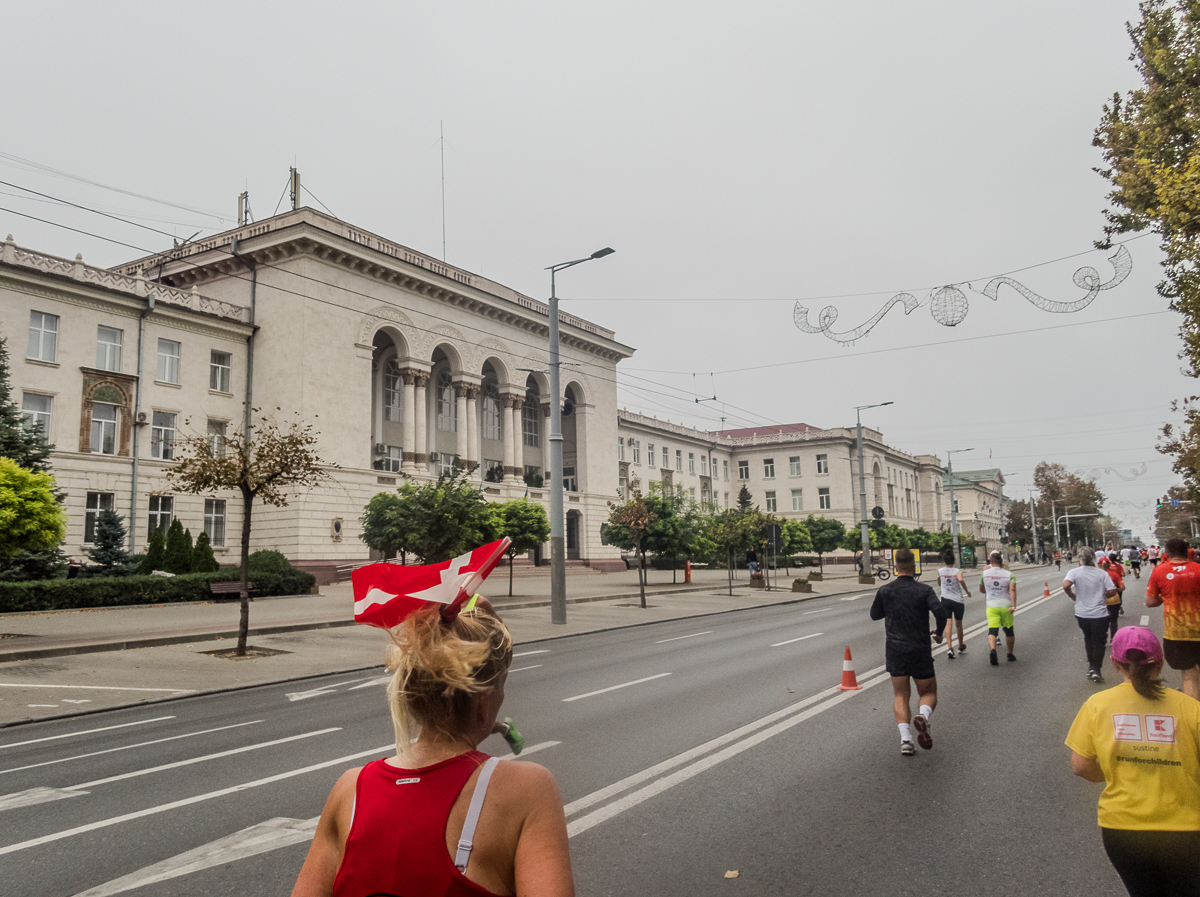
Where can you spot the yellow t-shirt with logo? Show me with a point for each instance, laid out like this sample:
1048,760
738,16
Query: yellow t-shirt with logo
1150,753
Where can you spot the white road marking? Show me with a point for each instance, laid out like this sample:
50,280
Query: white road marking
34,796
381,680
533,749
143,722
128,747
76,701
527,653
802,638
523,669
188,801
329,689
678,637
1145,621
614,688
820,611
853,597
266,836
178,691
41,705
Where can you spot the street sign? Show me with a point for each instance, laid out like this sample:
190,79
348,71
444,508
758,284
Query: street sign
877,512
1175,503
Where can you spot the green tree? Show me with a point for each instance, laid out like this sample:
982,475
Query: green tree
109,546
383,526
19,442
826,535
672,529
266,465
178,555
156,551
203,559
31,518
627,527
440,520
733,532
525,523
744,498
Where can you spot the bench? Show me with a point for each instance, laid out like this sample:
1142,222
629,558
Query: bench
228,591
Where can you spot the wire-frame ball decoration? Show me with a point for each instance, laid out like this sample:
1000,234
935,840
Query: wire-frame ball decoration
948,306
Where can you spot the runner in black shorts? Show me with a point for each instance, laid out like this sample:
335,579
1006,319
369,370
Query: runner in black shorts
905,605
1135,561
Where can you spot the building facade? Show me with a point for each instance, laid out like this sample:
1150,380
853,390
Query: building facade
982,506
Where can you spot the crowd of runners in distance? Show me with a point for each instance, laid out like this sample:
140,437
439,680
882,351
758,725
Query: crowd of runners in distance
1139,738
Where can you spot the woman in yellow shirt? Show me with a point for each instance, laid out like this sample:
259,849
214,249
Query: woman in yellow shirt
1142,740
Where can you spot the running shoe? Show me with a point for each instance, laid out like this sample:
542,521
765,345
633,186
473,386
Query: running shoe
907,749
1012,658
962,649
950,653
924,736
995,661
1092,674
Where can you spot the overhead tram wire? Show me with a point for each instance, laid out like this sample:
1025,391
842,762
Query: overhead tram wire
128,217
93,211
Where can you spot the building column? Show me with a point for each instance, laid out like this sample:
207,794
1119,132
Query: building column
420,424
518,440
473,442
506,423
460,423
411,411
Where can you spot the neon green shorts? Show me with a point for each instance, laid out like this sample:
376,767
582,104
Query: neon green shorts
999,617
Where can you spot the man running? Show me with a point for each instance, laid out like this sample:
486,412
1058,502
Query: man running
1175,584
954,593
1116,573
1152,553
1057,560
1135,563
1089,587
905,605
999,587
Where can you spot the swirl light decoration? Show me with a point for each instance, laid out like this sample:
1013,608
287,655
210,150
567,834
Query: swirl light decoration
1095,473
948,304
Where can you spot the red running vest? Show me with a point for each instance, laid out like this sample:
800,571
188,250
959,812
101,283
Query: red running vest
397,841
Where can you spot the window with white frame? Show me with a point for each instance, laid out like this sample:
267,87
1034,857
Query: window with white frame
691,462
769,468
446,462
797,499
104,429
666,458
620,448
531,471
692,492
214,520
704,465
823,499
492,427
771,502
162,507
726,501
392,458
679,460
108,348
447,407
650,456
637,450
822,464
622,482
794,465
36,410
490,465
168,361
725,471
96,502
216,438
162,436
531,419
570,483
743,470
393,391
220,370
43,336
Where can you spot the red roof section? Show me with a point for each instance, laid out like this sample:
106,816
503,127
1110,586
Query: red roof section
767,430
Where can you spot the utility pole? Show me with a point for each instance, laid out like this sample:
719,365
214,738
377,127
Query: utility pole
1054,520
1033,526
953,505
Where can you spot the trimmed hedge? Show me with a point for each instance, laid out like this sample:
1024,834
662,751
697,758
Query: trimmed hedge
63,594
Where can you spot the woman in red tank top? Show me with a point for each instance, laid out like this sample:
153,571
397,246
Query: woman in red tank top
440,818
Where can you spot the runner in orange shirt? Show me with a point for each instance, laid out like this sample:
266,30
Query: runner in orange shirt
1175,584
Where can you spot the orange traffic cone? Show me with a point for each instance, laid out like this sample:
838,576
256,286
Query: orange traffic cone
1046,593
849,680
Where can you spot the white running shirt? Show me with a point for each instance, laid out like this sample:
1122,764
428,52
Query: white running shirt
1090,585
1125,554
995,581
950,587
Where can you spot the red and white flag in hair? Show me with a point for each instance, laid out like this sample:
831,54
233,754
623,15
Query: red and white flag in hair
384,594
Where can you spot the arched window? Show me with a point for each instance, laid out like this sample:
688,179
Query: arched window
393,391
531,421
447,413
492,428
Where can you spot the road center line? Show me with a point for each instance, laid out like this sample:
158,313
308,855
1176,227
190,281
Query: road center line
527,653
663,641
802,638
614,688
820,611
129,747
142,722
188,801
523,669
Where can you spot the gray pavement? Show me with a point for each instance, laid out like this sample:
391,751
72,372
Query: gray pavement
72,662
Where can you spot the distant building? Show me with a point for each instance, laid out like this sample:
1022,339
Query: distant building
982,506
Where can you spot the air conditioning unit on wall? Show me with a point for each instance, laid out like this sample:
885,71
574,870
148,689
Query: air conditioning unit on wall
434,457
380,448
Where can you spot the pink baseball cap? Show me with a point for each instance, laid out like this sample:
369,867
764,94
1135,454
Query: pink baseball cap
1136,638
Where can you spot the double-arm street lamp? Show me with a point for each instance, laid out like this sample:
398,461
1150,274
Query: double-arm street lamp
558,555
953,504
862,488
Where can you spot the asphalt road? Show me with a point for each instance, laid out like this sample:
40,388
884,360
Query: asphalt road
685,750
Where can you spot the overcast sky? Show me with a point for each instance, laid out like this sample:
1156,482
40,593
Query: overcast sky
739,157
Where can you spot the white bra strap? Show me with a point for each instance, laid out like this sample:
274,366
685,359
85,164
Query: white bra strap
463,855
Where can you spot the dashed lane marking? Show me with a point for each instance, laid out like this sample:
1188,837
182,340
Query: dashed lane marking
532,666
143,722
527,653
663,641
601,691
802,638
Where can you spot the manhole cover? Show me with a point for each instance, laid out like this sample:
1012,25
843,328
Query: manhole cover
252,653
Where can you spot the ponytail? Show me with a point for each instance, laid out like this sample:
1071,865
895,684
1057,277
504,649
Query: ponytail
1143,674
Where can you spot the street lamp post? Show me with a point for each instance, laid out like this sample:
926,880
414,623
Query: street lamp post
953,507
558,554
862,486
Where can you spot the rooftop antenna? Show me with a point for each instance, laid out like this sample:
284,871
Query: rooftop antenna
442,148
295,189
245,216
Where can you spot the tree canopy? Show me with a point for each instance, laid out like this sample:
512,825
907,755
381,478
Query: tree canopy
31,518
18,441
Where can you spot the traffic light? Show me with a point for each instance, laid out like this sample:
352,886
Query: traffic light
1158,505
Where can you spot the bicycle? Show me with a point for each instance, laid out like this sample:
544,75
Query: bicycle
883,573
